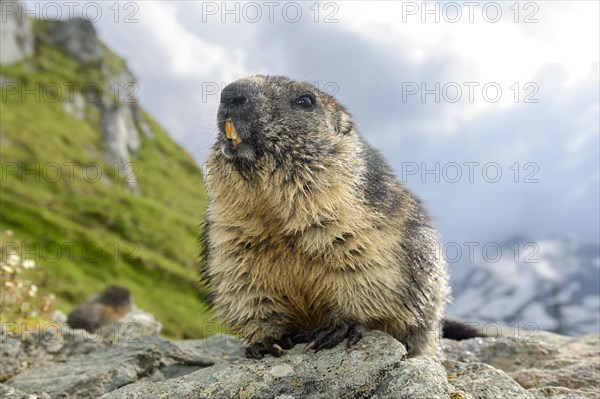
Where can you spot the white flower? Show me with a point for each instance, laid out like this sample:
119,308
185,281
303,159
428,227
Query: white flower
28,264
7,269
33,290
13,259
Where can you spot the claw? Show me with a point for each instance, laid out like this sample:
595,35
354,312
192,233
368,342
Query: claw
355,334
326,337
287,342
269,346
256,351
308,346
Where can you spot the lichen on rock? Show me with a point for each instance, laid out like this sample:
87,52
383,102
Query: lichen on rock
143,365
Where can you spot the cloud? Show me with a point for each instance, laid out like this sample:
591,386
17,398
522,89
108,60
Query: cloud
545,33
371,57
537,195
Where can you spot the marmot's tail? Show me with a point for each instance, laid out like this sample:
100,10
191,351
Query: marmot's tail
459,330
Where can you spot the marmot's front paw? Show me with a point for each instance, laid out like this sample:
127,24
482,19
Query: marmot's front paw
328,337
269,346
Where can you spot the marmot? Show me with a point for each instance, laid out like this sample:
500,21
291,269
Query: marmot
102,309
308,236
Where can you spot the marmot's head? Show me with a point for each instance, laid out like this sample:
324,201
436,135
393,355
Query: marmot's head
115,296
281,121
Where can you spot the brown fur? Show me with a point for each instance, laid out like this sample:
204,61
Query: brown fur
100,310
293,245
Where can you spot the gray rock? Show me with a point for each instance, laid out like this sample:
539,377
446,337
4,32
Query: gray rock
575,376
543,363
418,378
56,342
51,342
194,355
120,87
94,374
77,37
16,35
507,352
562,393
134,325
61,361
121,122
121,139
76,107
59,317
217,349
128,360
119,131
7,392
122,125
335,373
12,359
483,381
142,125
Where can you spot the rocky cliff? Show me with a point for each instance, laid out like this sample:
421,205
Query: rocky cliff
16,35
94,190
112,92
121,121
127,360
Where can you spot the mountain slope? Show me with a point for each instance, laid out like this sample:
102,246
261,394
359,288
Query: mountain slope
94,187
550,284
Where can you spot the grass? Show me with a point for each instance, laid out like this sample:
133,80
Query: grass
86,234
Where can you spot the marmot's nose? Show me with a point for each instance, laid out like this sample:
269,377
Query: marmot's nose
233,96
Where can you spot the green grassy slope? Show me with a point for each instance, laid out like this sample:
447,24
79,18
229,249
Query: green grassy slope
87,234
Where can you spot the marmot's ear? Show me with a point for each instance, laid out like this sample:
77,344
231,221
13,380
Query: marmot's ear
345,123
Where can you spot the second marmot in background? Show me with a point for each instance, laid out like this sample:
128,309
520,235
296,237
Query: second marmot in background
102,309
308,235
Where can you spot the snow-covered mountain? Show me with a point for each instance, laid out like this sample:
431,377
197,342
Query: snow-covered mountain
551,284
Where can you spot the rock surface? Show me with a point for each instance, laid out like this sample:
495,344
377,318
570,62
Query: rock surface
77,36
543,363
16,35
121,120
128,360
296,375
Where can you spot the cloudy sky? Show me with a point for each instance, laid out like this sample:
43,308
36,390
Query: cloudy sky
489,111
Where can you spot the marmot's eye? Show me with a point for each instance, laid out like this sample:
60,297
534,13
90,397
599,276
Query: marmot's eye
306,101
